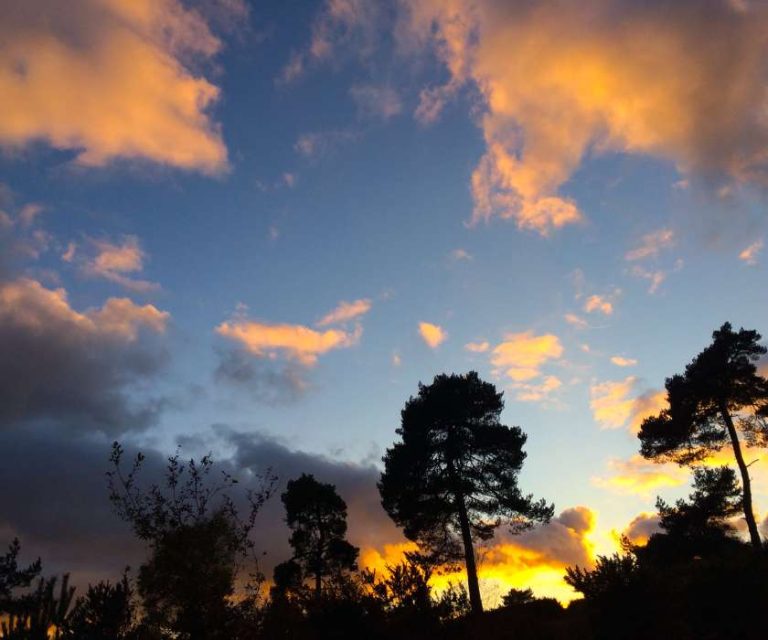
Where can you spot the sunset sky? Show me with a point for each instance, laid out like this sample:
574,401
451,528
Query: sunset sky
252,228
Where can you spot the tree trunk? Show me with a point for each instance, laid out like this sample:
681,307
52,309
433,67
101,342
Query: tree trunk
745,481
469,558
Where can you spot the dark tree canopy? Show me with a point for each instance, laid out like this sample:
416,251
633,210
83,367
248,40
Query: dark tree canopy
317,517
197,538
105,612
719,395
700,526
453,477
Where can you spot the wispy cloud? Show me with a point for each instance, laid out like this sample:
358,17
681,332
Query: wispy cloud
651,245
115,262
751,253
621,361
346,311
617,403
477,347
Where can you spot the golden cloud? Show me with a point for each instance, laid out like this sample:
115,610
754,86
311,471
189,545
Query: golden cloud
432,334
638,476
521,355
27,303
621,361
110,79
560,81
535,559
295,341
614,404
345,311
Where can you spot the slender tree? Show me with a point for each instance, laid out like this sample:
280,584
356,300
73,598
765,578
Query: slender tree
719,395
452,479
317,517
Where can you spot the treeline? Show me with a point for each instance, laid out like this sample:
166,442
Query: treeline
450,481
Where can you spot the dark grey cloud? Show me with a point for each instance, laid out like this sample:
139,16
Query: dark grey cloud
81,370
264,380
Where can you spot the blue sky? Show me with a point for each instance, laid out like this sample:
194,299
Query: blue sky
334,186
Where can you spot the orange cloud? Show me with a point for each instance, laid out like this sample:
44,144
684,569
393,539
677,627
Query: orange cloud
751,253
110,79
432,334
27,303
345,311
621,361
560,81
113,261
295,341
477,347
576,321
598,303
638,476
533,392
521,355
614,404
651,245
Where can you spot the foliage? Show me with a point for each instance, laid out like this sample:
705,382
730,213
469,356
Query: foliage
453,477
197,540
105,612
317,517
12,577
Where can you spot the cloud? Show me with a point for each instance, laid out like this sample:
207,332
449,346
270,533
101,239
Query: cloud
616,404
339,26
60,364
655,277
597,303
521,355
533,392
641,528
641,477
432,334
477,347
750,254
322,143
621,361
576,321
651,245
345,311
382,102
111,79
114,261
265,381
563,81
294,341
459,255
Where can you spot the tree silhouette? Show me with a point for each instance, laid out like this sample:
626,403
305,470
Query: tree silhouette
196,538
317,517
700,526
453,477
719,395
12,577
105,612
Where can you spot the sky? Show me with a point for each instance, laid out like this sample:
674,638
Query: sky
252,229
